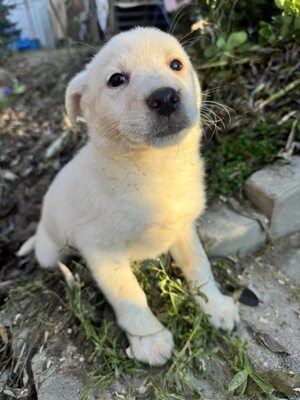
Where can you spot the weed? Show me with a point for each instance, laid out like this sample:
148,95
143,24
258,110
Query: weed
198,345
199,348
233,159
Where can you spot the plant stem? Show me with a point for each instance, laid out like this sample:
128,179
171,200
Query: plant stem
278,94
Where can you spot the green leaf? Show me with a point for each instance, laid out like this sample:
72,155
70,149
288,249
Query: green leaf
237,380
173,297
280,4
263,385
282,382
289,7
286,26
236,39
297,23
20,89
245,362
267,34
243,387
220,43
209,52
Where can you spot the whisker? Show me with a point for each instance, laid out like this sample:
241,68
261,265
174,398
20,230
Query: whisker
190,42
219,106
86,60
174,22
181,41
172,28
206,118
214,89
212,121
86,45
217,118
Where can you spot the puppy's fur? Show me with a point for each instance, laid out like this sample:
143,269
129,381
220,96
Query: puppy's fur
135,190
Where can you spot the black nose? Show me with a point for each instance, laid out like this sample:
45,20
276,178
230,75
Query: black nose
165,101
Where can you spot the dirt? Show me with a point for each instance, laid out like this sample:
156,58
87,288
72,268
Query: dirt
28,129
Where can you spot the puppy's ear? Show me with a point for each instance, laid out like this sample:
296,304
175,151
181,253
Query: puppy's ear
74,92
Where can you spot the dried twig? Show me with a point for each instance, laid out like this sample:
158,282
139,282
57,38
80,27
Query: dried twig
279,94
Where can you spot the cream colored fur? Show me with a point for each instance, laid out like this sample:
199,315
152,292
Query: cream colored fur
129,195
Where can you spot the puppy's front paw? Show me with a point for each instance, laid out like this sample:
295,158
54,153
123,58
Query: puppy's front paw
222,310
154,350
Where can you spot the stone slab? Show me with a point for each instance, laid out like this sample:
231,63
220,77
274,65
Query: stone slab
57,377
275,191
287,258
277,314
224,232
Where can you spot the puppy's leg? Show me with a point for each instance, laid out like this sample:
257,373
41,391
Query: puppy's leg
149,341
189,254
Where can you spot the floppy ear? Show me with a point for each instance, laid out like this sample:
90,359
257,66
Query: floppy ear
74,93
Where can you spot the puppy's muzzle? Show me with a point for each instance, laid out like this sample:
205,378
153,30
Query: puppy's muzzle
164,101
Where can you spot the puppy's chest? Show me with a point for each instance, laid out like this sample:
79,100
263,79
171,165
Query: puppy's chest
167,202
172,198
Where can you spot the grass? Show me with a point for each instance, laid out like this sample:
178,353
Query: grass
234,158
199,348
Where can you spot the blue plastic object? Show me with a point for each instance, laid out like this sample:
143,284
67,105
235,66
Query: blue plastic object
35,44
28,44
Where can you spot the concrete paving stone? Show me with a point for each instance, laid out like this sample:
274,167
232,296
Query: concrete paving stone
57,378
276,316
224,232
275,191
53,385
288,261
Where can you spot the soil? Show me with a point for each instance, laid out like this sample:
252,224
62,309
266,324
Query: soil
36,141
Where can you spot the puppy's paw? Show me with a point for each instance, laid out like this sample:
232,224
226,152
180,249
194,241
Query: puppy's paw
223,312
154,350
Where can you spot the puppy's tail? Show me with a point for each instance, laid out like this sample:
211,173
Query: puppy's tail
27,247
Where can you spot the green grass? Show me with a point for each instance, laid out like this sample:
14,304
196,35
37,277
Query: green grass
232,159
198,346
197,343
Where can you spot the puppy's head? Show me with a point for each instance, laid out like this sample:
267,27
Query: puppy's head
140,90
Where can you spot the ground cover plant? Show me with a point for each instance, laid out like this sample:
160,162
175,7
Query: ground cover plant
82,310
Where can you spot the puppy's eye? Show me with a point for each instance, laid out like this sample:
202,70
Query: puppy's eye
117,80
176,65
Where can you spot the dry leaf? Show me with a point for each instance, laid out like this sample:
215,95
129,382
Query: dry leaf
3,334
267,341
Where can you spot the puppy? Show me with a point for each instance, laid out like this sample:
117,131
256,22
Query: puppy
135,190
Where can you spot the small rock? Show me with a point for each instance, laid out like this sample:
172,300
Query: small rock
275,191
225,232
9,175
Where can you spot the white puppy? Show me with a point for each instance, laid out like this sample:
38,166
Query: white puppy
135,190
